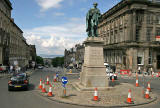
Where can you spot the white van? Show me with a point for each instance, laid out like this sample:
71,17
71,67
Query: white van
109,71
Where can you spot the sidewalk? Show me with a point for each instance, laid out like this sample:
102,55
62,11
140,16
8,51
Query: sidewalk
114,97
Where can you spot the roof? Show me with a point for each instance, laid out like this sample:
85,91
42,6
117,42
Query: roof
8,3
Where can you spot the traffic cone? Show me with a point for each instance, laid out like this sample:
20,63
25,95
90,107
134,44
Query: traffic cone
95,95
50,91
54,79
147,94
149,86
47,81
43,88
157,75
40,85
136,75
137,82
129,100
113,78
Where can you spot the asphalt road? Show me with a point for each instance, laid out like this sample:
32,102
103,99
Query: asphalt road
30,99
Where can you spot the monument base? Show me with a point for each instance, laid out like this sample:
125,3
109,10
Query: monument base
78,86
93,72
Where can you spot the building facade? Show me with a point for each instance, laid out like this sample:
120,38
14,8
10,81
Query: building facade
74,56
131,30
13,46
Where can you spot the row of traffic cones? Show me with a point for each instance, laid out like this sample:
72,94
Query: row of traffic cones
129,99
42,87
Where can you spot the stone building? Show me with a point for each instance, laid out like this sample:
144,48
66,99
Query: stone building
69,57
79,56
131,30
13,46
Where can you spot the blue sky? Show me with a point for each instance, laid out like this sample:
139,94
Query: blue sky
53,25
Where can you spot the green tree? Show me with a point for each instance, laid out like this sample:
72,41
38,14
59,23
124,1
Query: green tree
58,61
39,60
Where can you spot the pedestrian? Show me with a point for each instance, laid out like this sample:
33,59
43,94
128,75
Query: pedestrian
139,70
11,69
57,76
151,70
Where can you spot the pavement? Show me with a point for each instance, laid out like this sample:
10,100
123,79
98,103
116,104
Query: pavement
116,96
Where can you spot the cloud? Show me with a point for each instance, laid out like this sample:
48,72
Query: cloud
58,14
47,4
54,39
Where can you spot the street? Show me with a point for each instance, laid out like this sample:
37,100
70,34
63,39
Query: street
30,99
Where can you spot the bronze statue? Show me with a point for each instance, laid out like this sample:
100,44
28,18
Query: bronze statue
92,20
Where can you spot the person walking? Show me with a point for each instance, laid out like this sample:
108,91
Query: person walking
151,71
139,70
11,69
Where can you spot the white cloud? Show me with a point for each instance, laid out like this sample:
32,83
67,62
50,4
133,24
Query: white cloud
58,14
54,39
47,4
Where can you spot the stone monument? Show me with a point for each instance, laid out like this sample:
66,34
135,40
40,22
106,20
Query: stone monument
93,72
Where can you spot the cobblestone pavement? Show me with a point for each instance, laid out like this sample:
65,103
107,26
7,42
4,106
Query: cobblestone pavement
115,96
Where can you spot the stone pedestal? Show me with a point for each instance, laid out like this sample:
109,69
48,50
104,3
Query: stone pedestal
93,70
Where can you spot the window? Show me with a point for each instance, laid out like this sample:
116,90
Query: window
149,19
158,19
150,57
149,32
158,32
139,16
140,58
137,34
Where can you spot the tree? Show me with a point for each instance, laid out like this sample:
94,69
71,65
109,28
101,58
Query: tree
39,60
58,61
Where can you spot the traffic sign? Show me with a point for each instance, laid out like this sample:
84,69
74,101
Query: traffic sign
64,80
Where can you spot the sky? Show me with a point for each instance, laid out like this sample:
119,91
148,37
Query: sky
55,25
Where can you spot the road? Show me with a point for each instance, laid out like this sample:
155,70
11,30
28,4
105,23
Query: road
30,99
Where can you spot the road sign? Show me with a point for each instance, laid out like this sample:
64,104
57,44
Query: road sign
64,80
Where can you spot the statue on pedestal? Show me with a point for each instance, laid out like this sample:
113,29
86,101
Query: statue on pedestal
92,20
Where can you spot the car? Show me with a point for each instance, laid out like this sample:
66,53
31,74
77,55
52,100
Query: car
40,67
109,72
3,68
18,81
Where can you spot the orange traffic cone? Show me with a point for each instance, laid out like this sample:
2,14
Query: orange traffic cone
147,94
95,95
40,85
113,78
149,86
54,79
157,75
129,100
136,75
50,91
43,88
137,82
47,80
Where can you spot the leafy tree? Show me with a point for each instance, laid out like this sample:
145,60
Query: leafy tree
58,61
39,60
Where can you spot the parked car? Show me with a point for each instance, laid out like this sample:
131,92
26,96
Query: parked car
3,68
109,72
18,81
